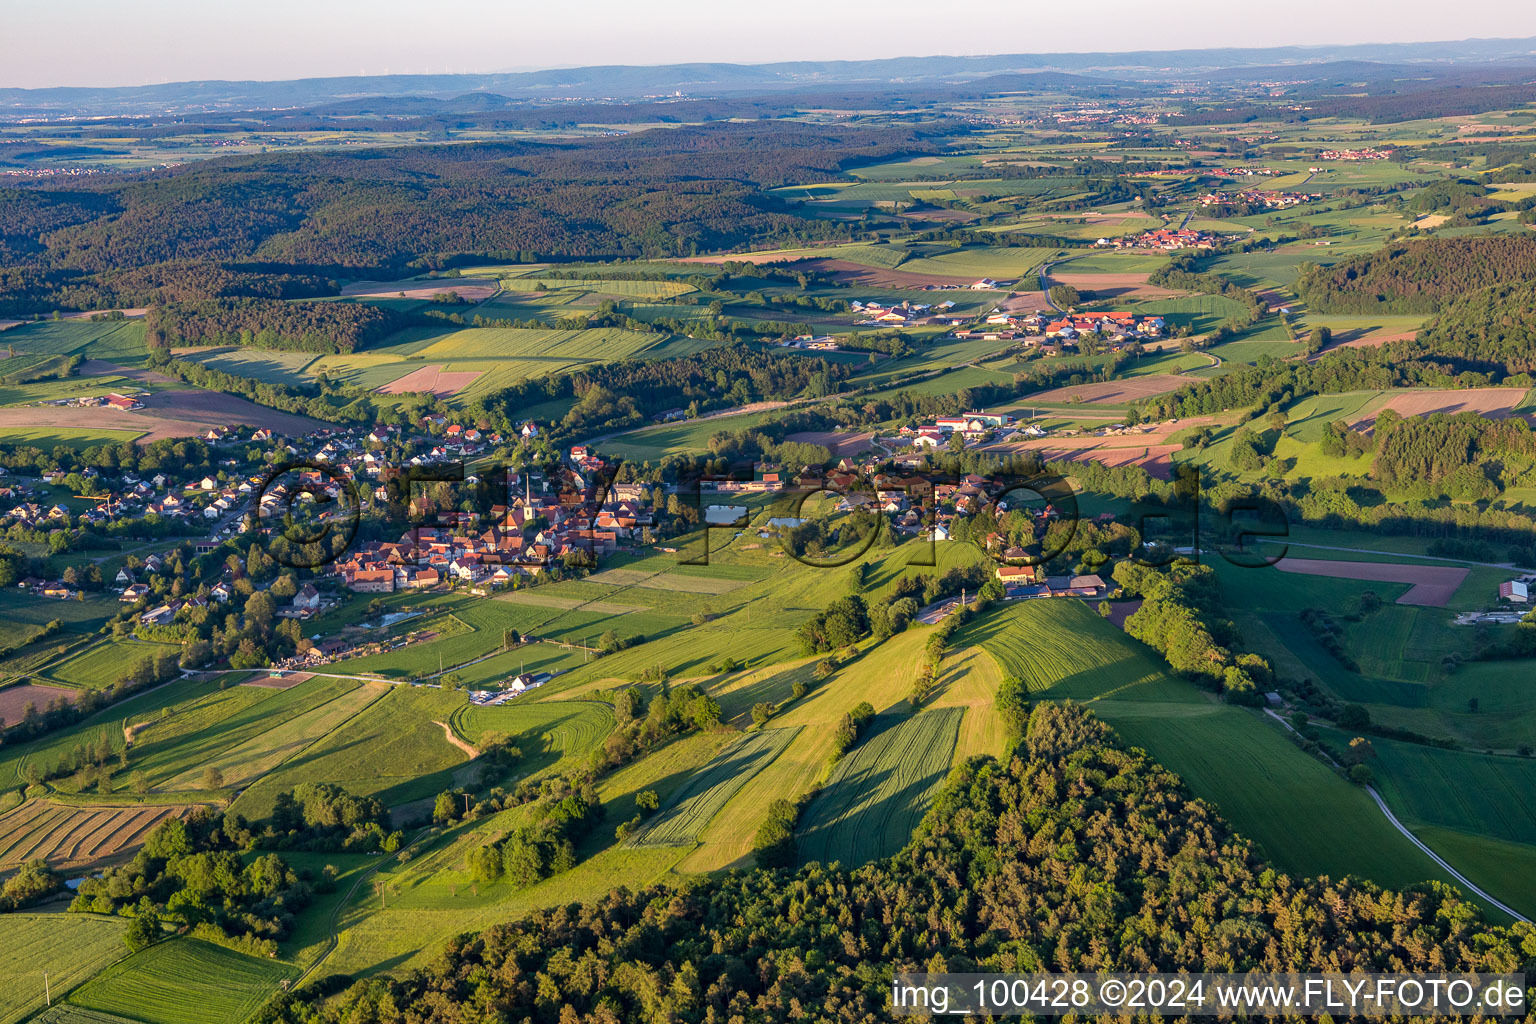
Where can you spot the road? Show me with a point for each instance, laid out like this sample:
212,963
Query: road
1432,855
1416,841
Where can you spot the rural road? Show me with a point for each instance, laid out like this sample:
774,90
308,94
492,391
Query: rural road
1416,841
1432,855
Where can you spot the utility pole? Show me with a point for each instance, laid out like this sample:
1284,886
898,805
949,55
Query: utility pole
47,989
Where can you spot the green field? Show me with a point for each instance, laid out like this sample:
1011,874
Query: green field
999,262
269,365
184,981
1484,794
499,357
70,948
116,341
545,733
104,664
394,750
1062,650
880,790
1306,818
710,788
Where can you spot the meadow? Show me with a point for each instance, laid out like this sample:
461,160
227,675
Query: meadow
880,790
104,664
69,948
545,733
116,341
710,788
395,749
184,981
1304,817
484,359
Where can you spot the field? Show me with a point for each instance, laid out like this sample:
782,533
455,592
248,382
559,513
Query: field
1115,392
1486,794
69,836
244,731
14,700
708,790
1493,403
69,947
269,365
394,750
184,981
1306,818
1062,650
104,664
476,361
1431,585
880,790
174,413
119,341
545,733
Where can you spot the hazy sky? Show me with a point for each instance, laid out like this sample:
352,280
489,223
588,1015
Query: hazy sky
134,42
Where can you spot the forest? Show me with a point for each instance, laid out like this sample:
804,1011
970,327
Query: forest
284,222
1075,854
1418,276
270,323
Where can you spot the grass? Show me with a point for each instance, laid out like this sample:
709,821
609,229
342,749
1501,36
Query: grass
78,438
708,790
117,341
244,737
184,981
500,356
880,790
69,947
1507,870
545,733
999,262
1062,650
1489,795
1307,819
267,365
104,664
393,750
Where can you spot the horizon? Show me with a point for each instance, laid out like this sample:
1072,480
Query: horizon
100,46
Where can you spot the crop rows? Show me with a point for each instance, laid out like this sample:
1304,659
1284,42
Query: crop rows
63,834
880,791
712,787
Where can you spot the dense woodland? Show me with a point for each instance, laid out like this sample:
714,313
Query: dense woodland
1074,854
1418,276
286,221
271,323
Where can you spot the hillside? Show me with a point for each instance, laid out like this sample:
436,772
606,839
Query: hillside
1003,872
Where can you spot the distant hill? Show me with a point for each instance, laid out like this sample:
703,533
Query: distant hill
720,79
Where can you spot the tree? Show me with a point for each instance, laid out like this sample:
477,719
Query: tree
510,638
705,711
213,778
761,712
145,926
